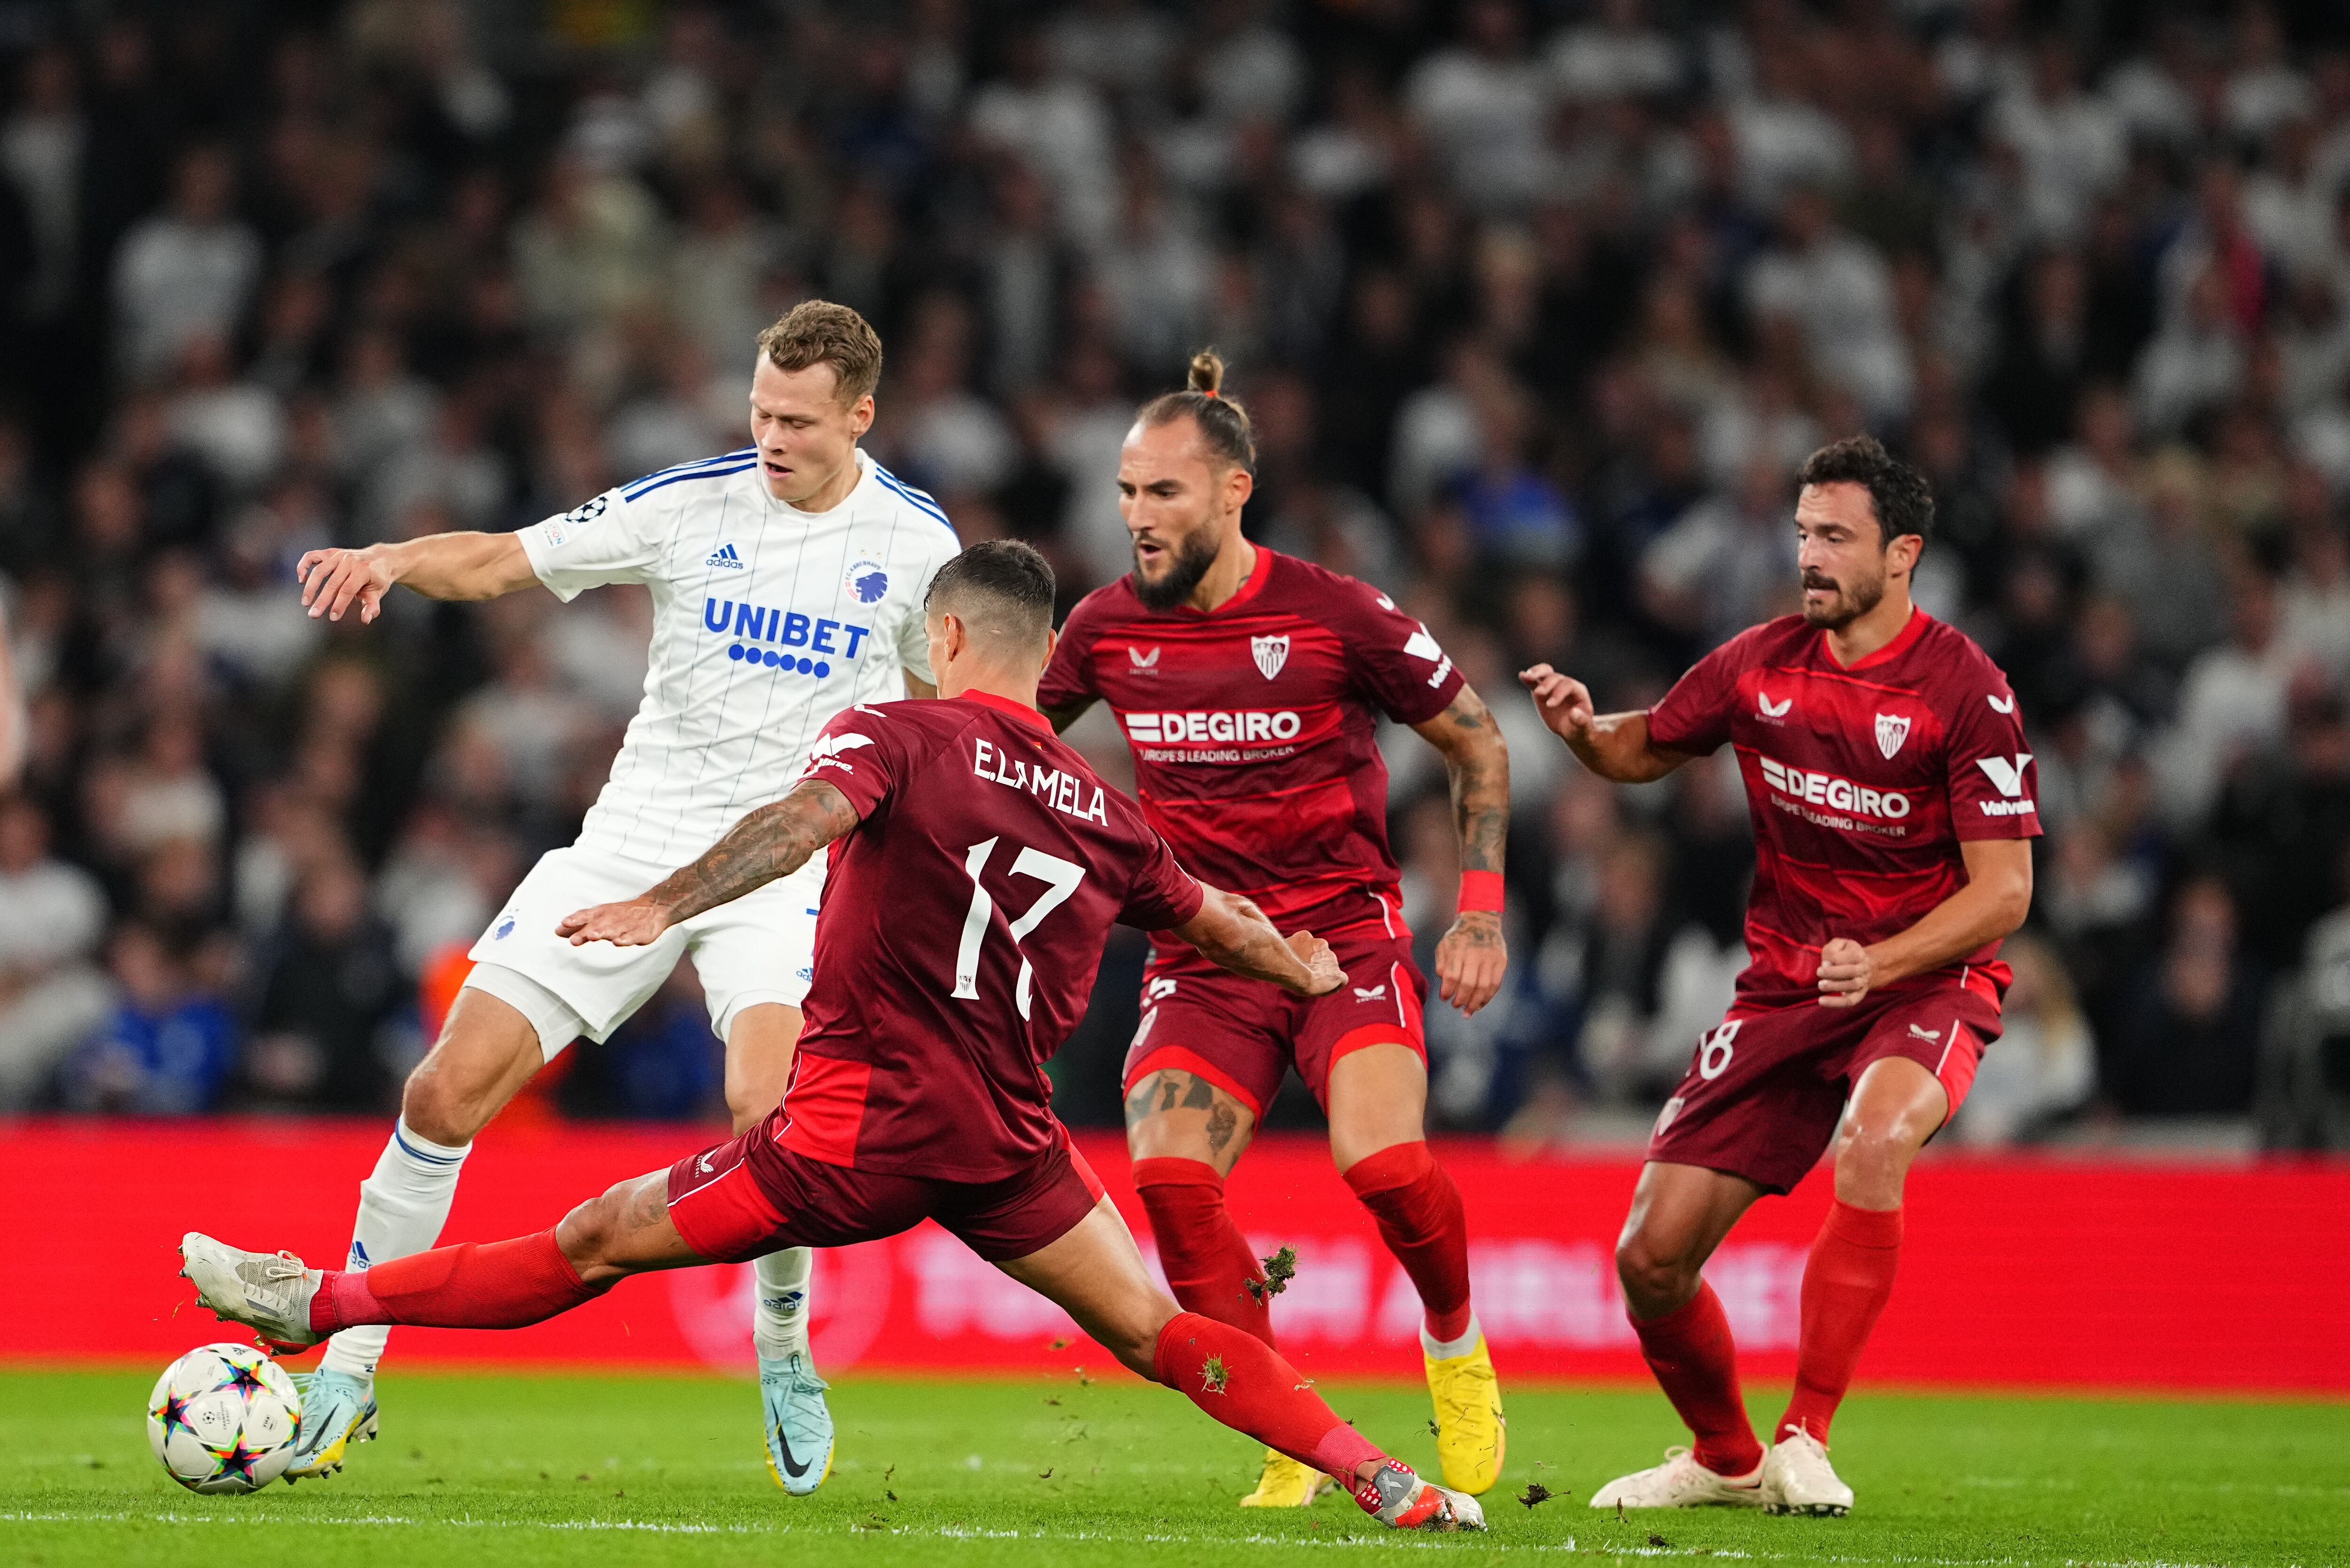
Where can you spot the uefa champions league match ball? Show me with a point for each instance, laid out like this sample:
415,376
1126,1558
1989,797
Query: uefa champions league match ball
224,1418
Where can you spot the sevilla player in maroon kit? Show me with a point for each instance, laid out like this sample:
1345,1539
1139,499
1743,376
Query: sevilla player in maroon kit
977,866
1892,797
1249,685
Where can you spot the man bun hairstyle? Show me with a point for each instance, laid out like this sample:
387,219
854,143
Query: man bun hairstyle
1903,501
1224,422
1000,587
819,332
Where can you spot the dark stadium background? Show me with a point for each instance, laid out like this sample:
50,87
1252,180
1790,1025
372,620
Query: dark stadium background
1535,305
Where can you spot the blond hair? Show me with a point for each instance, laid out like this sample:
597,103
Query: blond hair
819,332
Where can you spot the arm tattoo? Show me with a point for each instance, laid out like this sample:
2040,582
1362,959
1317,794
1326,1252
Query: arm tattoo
772,841
1479,769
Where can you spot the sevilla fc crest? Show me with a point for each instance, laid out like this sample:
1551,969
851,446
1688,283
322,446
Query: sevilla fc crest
1272,653
1891,731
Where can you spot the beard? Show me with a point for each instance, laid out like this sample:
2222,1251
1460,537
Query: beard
1187,563
1846,607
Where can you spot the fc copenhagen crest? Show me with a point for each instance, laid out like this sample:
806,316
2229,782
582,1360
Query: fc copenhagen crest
1891,731
1272,653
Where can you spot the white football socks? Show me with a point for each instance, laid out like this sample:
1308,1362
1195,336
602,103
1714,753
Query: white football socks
779,1315
402,1205
1445,1349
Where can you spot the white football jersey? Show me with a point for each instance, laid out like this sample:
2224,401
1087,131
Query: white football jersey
767,621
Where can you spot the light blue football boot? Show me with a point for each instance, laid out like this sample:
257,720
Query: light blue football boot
800,1424
337,1410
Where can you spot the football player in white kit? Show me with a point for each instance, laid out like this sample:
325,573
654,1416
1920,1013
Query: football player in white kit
787,582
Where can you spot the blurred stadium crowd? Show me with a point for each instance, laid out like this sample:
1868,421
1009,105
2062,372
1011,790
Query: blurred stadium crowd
1537,305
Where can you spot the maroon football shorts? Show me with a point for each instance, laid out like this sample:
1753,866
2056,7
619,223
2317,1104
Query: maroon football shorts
1767,1089
750,1196
1242,1034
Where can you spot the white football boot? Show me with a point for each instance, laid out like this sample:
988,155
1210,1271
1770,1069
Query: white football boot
337,1410
1682,1482
1798,1478
1398,1498
799,1423
268,1293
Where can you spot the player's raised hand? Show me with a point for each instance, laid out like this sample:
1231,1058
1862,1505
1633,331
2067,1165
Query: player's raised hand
1564,702
1846,972
637,923
332,579
1470,959
1324,975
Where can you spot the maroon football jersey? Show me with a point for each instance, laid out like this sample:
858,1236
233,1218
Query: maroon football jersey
1252,727
962,921
1862,783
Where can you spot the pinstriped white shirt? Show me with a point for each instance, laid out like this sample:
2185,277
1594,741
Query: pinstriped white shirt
767,621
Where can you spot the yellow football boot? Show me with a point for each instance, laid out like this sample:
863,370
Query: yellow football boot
1287,1484
1471,1430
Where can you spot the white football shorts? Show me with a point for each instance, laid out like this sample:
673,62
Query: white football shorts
759,947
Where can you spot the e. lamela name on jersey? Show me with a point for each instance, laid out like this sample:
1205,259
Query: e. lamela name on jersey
1060,790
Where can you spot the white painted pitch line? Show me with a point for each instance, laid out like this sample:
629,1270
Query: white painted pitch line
1154,1538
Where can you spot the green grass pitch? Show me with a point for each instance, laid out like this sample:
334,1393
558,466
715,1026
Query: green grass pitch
520,1470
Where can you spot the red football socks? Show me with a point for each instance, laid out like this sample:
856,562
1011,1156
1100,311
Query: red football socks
1421,1218
1208,1261
1846,1285
1244,1382
1690,1351
500,1285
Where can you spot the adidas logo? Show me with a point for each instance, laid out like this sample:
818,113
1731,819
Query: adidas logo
726,558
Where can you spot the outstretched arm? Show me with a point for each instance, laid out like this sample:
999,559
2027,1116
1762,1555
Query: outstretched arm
1472,957
13,722
1997,897
1230,931
1613,745
772,841
438,566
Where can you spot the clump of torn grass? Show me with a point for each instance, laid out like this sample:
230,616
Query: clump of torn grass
1279,1270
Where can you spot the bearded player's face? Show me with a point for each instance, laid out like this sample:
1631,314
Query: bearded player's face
1174,500
1841,553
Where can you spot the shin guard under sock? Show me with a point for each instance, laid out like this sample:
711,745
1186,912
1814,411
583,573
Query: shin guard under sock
500,1285
1846,1283
1244,1382
1208,1261
1691,1352
404,1203
1421,1218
